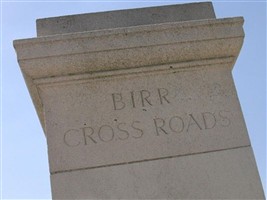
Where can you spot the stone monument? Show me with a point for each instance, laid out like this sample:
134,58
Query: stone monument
141,104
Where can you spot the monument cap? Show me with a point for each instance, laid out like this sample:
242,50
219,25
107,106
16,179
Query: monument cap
124,18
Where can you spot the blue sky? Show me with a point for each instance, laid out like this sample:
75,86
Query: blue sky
24,161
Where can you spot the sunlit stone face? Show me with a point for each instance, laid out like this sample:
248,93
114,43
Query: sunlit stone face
140,104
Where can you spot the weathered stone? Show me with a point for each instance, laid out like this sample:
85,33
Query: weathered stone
64,56
229,174
124,18
137,108
130,118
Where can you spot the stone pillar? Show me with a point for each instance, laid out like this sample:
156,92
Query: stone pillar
141,104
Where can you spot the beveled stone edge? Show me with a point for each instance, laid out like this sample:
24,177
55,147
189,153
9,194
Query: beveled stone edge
167,68
35,54
125,30
61,24
33,88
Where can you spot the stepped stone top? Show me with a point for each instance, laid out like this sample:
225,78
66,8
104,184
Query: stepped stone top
80,47
124,18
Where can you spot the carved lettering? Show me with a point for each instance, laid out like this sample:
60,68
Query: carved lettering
162,95
106,133
139,130
121,127
132,98
87,134
209,120
176,124
70,138
140,98
117,101
159,124
145,94
224,120
193,123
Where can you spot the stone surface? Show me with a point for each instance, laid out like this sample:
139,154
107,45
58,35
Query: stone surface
141,107
131,118
92,53
124,18
229,174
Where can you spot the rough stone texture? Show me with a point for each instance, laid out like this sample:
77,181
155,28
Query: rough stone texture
89,53
229,174
124,18
106,120
141,108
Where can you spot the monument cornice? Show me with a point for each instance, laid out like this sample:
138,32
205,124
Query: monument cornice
90,54
173,42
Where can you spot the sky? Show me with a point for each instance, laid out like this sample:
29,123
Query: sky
24,159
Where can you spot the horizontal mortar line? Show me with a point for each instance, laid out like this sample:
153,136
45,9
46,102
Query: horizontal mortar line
126,48
130,30
133,71
146,160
